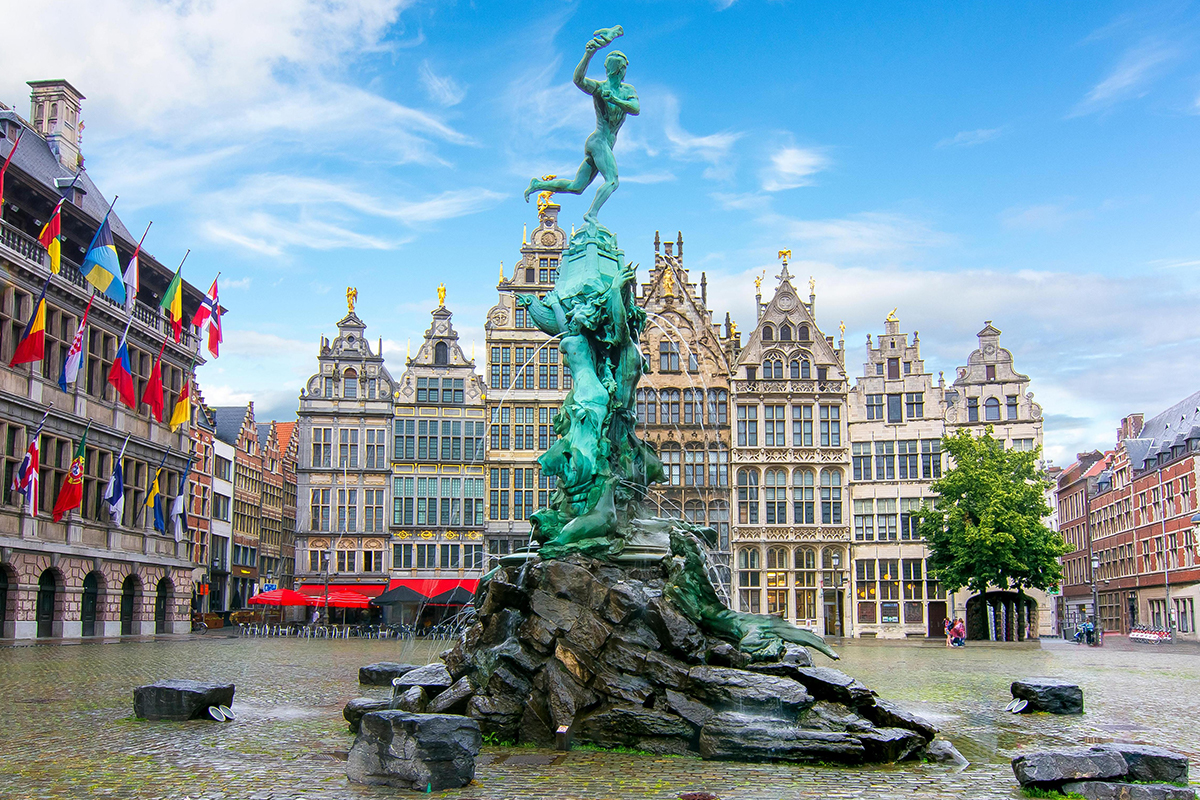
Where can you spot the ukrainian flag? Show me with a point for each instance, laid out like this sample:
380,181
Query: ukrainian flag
154,501
101,267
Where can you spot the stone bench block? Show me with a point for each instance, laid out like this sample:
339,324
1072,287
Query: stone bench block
1052,768
423,752
1149,764
1102,790
382,673
1048,694
180,699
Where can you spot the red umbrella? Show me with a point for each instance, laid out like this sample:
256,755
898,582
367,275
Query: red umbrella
341,598
280,597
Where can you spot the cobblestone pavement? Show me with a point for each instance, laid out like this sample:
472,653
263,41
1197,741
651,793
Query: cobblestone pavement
68,730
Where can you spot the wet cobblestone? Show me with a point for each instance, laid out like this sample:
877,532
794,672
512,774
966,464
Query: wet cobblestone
68,730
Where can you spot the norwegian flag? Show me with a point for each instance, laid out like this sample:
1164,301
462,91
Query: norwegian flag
209,313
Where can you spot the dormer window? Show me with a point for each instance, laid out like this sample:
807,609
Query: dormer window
350,384
803,335
785,333
990,371
329,387
768,333
530,275
441,354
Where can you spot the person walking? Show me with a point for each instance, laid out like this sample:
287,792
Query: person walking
959,633
947,625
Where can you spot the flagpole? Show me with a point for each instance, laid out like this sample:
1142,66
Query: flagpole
96,235
79,509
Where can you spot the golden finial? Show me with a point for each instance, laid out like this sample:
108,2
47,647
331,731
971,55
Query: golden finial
732,329
891,317
524,234
351,298
543,198
408,350
812,285
441,290
842,328
668,281
758,282
502,272
784,255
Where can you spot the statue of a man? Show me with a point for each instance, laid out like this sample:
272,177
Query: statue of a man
613,100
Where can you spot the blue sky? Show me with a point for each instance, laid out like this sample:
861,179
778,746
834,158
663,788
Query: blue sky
1033,164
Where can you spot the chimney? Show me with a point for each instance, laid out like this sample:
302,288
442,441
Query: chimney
54,109
704,290
657,241
668,245
679,247
1131,427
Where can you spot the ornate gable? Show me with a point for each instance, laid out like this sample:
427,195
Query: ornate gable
787,329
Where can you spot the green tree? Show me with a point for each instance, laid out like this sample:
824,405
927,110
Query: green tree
986,529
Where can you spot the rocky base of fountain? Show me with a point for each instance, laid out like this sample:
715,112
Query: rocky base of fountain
596,650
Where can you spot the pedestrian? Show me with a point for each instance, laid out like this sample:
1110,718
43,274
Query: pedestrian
947,624
959,633
316,615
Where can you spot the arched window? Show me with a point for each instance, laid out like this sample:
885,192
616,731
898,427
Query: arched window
785,333
804,337
768,333
672,461
991,409
441,354
775,489
350,384
795,369
669,508
670,406
747,496
693,512
777,581
718,407
693,406
718,518
749,579
647,406
803,504
805,370
806,586
772,370
831,497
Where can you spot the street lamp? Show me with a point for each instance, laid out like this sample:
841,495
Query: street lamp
1095,588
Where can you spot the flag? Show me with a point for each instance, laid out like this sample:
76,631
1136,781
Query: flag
100,265
71,494
48,238
179,515
114,493
25,479
183,406
70,370
32,346
152,501
4,169
206,307
214,331
120,375
131,279
172,303
152,395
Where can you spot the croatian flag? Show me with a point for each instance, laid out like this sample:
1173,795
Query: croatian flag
70,370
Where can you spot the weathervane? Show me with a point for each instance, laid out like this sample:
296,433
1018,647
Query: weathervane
784,255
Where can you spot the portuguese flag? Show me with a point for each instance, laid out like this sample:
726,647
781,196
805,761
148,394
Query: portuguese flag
172,303
71,495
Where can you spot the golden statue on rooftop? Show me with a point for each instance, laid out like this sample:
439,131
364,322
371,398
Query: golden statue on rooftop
351,298
668,281
891,317
441,290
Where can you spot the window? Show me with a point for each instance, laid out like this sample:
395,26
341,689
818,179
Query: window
376,448
347,561
747,427
348,448
914,405
775,494
670,406
405,445
794,370
777,581
991,409
647,407
472,556
319,510
350,384
773,422
803,504
990,372
893,368
785,333
718,518
450,555
831,497
223,468
672,459
831,426
693,466
372,561
864,520
373,511
910,519
907,460
931,458
718,465
885,519
348,510
693,406
772,370
402,501
668,356
693,363
426,556
322,450
749,579
402,556
1012,406
874,406
885,461
718,407
441,354
865,591
802,334
972,409
894,408
768,334
802,426
860,460
751,373
747,497
221,505
806,581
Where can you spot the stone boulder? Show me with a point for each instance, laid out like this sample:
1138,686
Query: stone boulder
422,752
887,714
356,708
453,700
1048,694
738,689
180,699
413,699
1149,764
382,673
891,744
940,751
432,677
1103,790
832,684
1050,769
628,725
736,736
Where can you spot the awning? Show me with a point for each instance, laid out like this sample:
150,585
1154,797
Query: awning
400,594
458,596
365,589
434,591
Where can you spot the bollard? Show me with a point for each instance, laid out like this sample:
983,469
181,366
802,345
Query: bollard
562,738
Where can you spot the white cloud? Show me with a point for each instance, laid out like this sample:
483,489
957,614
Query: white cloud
970,138
714,148
867,234
1136,68
1044,217
792,167
442,89
236,283
661,176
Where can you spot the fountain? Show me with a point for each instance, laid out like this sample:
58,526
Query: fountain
608,629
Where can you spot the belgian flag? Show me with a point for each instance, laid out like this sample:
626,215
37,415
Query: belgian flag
32,346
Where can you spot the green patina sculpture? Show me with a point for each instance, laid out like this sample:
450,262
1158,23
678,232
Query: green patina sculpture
613,100
603,469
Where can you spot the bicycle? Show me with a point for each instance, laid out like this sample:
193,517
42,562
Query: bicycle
199,625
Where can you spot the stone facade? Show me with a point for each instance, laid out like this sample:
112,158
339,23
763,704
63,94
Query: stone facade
791,460
527,380
344,470
438,481
85,575
683,401
235,425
